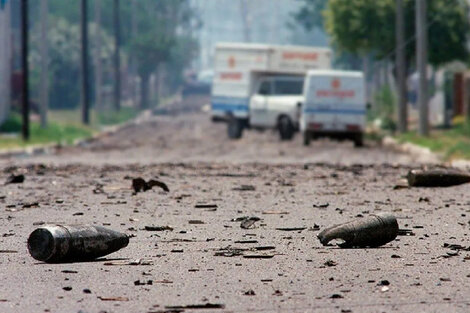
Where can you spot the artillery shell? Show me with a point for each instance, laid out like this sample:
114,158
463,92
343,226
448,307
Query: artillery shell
372,231
437,178
74,243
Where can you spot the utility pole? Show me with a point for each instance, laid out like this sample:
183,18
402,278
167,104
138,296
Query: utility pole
421,56
84,63
246,18
98,63
400,68
133,62
117,60
24,63
44,92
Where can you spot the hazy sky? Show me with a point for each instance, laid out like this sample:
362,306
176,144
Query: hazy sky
266,22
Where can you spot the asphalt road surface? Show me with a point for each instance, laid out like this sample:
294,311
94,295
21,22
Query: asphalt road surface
208,260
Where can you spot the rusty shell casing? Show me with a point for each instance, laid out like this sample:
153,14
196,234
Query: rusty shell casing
74,243
437,178
372,231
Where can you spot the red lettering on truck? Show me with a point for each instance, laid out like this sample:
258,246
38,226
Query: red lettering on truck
306,56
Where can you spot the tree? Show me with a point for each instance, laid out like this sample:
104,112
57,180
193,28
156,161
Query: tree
367,26
160,38
310,14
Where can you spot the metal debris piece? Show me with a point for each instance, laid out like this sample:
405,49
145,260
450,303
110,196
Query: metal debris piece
373,231
15,179
74,243
158,228
437,178
139,184
249,222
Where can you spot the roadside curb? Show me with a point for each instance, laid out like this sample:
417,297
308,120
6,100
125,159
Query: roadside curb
422,154
49,148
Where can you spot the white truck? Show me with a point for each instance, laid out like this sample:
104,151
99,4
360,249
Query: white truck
334,106
261,86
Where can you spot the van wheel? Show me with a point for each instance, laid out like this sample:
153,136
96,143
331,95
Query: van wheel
358,141
306,139
286,128
234,128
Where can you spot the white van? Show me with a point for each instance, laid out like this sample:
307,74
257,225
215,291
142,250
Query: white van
334,106
260,86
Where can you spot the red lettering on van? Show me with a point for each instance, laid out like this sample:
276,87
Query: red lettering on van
323,93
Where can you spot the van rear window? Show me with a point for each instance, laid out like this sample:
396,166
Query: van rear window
288,87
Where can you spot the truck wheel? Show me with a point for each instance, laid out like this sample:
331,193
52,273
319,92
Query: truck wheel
286,128
306,139
234,128
358,141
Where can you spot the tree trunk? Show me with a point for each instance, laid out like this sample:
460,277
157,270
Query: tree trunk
44,94
144,91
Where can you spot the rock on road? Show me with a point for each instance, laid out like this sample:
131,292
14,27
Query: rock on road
207,258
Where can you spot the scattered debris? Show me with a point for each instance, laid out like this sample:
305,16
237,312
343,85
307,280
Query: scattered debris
405,232
196,306
330,263
158,228
275,212
258,256
196,222
15,179
373,231
245,188
291,228
437,178
249,292
139,184
246,241
73,243
143,283
133,262
113,298
206,206
229,252
321,205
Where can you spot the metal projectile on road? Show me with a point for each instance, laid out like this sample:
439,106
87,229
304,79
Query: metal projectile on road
372,231
74,243
437,178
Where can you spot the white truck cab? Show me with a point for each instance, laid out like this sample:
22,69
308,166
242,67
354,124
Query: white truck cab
261,86
334,106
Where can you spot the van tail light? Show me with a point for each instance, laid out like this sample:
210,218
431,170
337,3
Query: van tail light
353,127
315,126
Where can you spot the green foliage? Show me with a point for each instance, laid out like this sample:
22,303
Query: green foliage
450,143
55,132
367,26
384,109
112,117
310,14
12,124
